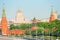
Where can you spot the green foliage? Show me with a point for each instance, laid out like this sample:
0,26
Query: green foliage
54,28
22,26
12,26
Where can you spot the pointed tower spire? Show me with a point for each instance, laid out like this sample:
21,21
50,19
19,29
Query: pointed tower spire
52,9
3,11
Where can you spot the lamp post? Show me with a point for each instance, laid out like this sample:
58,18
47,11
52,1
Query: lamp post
30,31
36,34
57,34
49,35
44,34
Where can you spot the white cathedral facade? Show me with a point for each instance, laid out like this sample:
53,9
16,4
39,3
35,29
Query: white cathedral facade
19,18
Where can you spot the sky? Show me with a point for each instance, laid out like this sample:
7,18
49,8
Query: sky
30,8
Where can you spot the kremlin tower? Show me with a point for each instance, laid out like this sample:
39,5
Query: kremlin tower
53,15
19,18
4,23
34,26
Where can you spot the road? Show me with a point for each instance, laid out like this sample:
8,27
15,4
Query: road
10,38
19,38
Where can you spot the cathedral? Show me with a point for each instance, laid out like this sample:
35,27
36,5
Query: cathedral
19,18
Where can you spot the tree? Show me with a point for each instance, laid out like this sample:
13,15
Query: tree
12,26
24,26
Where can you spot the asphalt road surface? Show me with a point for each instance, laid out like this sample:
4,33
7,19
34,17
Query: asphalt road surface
19,38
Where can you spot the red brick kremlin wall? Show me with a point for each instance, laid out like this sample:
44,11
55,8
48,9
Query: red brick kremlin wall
9,32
